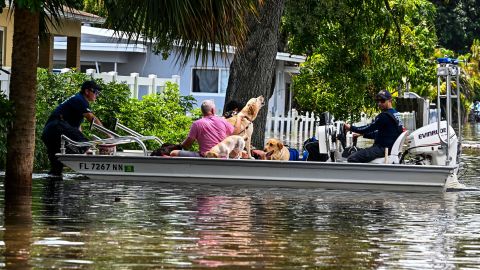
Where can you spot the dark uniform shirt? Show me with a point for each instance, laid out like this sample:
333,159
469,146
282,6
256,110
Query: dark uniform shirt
72,110
384,130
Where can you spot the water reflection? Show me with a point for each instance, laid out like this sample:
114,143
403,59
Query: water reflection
80,224
17,233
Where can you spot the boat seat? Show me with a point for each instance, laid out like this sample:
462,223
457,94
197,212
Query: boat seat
394,157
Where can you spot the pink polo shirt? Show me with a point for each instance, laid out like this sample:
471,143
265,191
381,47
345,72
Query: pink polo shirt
209,131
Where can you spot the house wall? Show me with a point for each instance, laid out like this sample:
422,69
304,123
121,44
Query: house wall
6,21
68,28
145,62
150,63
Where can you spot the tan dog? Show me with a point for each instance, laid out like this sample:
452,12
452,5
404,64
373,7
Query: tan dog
230,147
275,150
250,111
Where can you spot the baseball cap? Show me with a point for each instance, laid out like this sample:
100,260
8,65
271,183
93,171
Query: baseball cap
384,94
91,85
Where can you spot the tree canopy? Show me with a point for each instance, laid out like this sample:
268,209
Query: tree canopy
457,23
357,48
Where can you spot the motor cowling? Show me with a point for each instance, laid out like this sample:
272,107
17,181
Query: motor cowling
425,141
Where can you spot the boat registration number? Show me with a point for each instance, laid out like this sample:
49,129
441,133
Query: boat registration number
106,167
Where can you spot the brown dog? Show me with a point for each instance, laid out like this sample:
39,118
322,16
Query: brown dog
230,147
165,149
275,150
250,111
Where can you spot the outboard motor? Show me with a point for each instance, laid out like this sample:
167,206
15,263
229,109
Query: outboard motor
425,145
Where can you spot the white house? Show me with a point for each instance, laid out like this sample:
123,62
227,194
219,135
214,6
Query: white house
104,51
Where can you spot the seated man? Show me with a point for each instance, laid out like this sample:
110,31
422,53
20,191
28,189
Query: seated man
207,131
385,129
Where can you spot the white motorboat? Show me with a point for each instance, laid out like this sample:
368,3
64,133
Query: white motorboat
424,160
261,172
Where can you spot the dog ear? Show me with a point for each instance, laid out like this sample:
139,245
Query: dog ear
251,110
280,145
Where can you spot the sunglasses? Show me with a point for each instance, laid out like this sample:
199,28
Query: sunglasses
95,91
381,100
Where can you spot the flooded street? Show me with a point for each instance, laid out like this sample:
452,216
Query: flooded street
80,224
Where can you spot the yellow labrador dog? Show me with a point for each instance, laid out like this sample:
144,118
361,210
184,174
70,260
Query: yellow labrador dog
230,147
250,111
275,150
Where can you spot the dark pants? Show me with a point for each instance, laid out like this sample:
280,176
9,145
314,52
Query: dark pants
51,136
367,154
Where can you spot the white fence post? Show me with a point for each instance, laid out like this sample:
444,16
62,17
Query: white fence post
90,72
134,87
288,137
153,86
176,79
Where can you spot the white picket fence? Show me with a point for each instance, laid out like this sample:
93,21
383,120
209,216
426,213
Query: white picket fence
294,128
138,85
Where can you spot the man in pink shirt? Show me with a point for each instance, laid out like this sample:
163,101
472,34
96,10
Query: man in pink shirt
207,131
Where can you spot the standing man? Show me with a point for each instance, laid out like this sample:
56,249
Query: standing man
385,129
207,131
66,120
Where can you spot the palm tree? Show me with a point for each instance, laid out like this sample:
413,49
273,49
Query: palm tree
192,25
30,17
197,24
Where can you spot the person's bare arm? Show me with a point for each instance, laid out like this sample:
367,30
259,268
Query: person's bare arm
187,143
91,117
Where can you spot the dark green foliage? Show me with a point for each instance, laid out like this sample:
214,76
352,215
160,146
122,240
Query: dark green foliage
358,48
162,115
457,23
6,117
52,89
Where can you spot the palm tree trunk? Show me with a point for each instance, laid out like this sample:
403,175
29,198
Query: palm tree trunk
252,71
21,135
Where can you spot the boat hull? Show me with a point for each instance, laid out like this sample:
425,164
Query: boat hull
261,172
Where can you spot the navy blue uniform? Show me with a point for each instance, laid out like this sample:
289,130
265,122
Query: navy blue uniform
65,119
384,130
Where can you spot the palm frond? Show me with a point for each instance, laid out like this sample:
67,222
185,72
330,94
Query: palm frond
193,24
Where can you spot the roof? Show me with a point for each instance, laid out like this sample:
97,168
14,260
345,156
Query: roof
82,16
103,32
76,15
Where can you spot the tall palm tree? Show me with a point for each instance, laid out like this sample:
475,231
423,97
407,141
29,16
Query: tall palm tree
197,24
30,16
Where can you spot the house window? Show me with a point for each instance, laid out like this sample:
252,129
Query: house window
210,80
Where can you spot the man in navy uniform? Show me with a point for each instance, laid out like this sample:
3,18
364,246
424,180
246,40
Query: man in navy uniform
66,120
385,129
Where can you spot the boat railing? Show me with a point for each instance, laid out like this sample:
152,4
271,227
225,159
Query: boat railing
113,140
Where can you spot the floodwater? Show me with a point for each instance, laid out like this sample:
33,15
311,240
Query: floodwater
79,224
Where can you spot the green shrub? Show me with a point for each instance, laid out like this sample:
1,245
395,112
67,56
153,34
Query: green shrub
52,89
162,115
6,115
